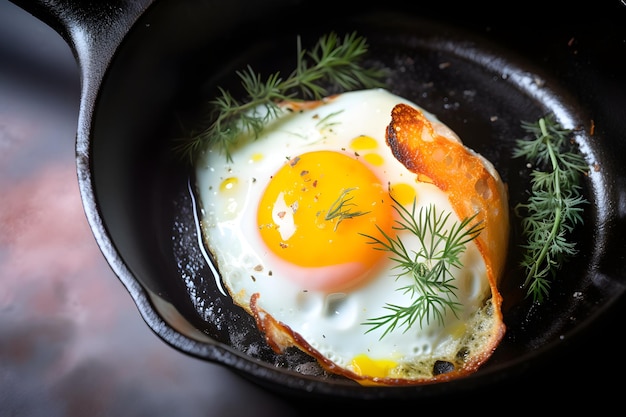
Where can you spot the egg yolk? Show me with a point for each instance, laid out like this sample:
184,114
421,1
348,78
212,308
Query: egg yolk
315,212
378,368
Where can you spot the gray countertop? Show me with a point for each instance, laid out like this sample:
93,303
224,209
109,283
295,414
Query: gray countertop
71,340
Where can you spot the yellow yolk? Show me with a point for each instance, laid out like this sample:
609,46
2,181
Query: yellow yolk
316,210
377,368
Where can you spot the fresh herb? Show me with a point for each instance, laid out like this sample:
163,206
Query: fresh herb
555,205
341,208
327,121
431,267
332,61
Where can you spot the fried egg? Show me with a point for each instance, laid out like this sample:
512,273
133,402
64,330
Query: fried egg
297,220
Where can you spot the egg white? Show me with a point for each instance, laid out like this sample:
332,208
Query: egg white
229,192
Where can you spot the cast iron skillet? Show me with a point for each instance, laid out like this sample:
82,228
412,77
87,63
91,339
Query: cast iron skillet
148,66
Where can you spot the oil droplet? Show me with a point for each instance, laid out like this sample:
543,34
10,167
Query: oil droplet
229,185
403,193
363,142
255,157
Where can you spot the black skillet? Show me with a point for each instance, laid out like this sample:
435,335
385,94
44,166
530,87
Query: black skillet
147,67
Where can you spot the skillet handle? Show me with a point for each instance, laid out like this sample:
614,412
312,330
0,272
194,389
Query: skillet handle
92,29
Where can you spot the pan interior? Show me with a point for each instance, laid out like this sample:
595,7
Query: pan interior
179,52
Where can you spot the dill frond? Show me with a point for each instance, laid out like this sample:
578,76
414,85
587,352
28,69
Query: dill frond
555,205
431,266
341,209
333,61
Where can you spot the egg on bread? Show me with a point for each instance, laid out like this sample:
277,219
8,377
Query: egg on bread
307,224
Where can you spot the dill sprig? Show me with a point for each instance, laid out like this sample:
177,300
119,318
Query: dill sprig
332,61
555,205
431,267
341,208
